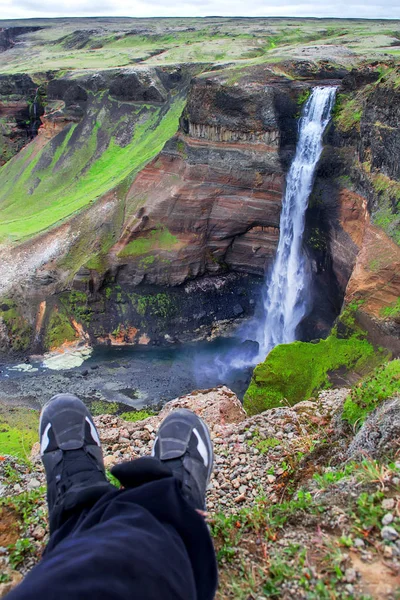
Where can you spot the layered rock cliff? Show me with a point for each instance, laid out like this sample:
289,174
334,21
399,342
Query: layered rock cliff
153,201
357,195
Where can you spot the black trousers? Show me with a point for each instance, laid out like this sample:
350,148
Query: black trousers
144,542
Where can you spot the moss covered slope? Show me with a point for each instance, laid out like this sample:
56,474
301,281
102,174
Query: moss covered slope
42,186
294,372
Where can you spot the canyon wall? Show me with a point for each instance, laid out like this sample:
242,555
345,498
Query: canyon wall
168,188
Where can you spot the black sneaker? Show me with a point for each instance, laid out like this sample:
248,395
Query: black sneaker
71,453
183,443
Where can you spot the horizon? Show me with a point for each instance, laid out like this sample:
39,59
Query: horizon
188,17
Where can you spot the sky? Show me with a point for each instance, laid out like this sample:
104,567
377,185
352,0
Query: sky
22,9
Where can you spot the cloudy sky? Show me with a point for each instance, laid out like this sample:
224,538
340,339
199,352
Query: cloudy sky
18,9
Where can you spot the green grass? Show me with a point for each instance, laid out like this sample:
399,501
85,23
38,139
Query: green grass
347,113
381,384
183,40
137,415
18,430
34,197
102,407
294,372
160,239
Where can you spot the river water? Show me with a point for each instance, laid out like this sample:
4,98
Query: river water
136,376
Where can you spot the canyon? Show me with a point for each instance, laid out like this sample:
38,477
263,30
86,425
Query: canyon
198,225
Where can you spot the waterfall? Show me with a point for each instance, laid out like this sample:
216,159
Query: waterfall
285,297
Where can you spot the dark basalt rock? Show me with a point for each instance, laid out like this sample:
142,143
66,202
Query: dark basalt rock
128,87
9,35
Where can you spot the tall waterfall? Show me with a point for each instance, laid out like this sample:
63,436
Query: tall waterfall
285,300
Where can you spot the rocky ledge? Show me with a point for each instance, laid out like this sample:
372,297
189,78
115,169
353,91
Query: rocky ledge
299,506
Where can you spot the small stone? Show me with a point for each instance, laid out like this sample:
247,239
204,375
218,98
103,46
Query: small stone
359,543
39,532
388,504
349,588
271,478
350,575
389,534
33,484
243,489
388,552
387,519
396,480
240,498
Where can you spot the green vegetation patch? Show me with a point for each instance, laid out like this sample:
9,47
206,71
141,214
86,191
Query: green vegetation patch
18,430
102,407
76,304
387,215
40,189
19,330
155,305
58,330
381,384
347,112
392,311
303,97
137,415
158,239
294,372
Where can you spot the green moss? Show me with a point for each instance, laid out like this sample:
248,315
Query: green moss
294,372
160,239
18,430
102,407
19,330
58,330
392,311
147,262
157,305
137,415
265,445
381,384
347,112
303,97
76,304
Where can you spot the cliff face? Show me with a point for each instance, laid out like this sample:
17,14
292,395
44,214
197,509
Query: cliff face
150,212
20,112
356,197
206,207
216,186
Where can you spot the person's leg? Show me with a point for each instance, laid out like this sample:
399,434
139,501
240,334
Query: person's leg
146,541
73,460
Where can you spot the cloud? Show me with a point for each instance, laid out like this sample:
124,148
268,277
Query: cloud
12,9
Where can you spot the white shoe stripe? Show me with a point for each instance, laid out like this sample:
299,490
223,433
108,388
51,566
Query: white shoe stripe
201,447
45,439
93,432
153,450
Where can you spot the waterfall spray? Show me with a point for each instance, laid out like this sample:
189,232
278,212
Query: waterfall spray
285,299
